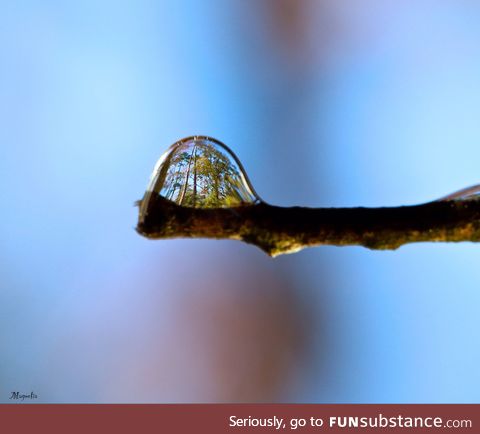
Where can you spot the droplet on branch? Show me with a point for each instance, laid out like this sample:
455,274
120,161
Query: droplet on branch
199,189
469,193
201,172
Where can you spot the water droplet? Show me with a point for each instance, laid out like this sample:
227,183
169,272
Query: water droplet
469,193
201,172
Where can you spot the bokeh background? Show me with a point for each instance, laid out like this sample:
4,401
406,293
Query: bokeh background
326,103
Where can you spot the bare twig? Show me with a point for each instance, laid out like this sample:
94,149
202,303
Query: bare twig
278,230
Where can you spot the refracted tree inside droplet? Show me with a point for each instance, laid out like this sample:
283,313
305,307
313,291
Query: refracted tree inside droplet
201,172
469,193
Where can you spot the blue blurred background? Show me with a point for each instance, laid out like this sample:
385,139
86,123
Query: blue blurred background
326,103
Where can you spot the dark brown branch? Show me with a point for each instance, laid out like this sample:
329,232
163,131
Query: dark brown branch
278,230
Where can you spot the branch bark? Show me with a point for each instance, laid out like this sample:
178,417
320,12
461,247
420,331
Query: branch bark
277,230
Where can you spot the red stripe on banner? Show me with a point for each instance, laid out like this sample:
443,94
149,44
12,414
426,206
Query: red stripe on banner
240,418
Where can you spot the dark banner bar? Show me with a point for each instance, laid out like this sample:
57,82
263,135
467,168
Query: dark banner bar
239,418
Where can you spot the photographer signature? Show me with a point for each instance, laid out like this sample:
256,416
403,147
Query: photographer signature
21,396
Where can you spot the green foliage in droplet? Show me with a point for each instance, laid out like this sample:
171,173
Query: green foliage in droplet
201,174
